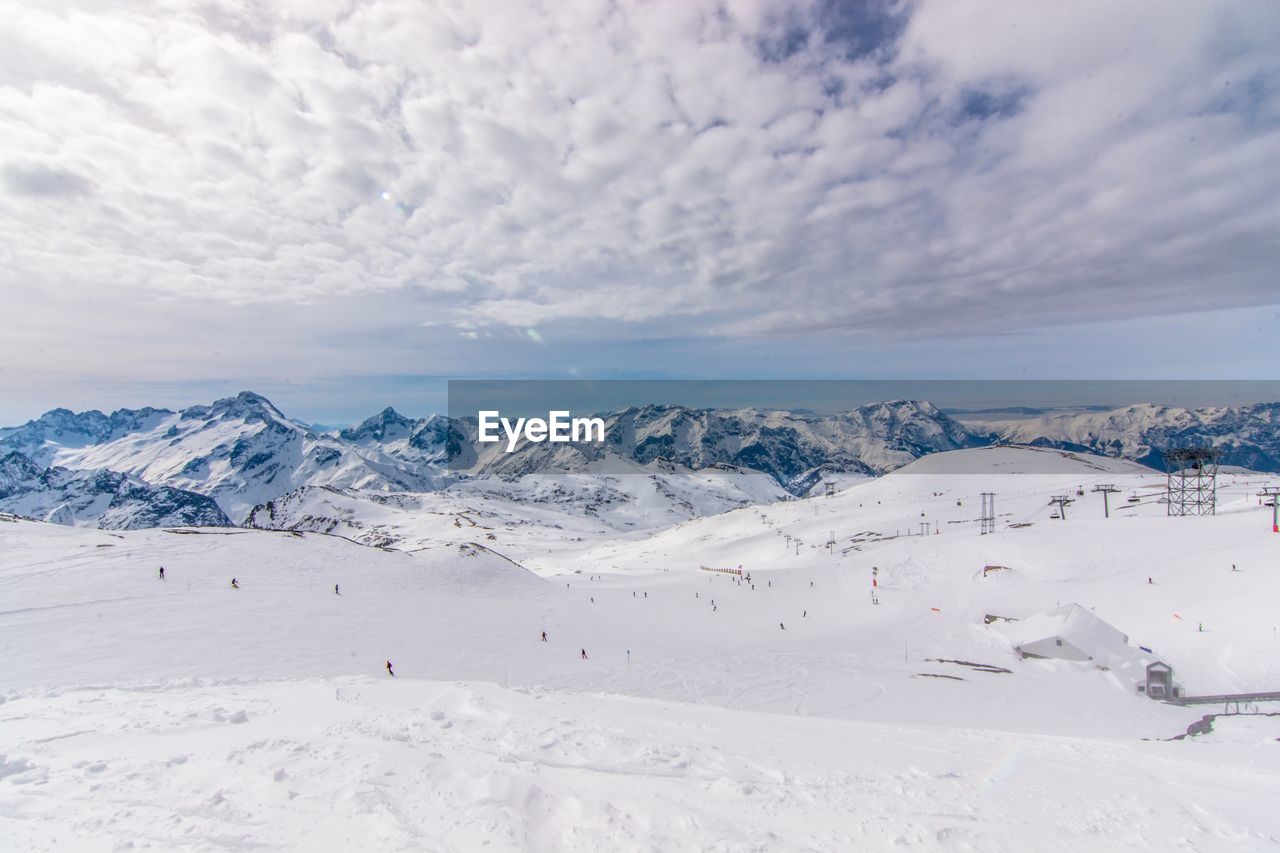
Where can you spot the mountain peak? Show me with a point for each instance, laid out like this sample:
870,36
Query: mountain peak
385,425
247,405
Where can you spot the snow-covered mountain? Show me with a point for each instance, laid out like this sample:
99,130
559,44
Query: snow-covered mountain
1247,436
796,449
423,444
607,497
102,498
241,451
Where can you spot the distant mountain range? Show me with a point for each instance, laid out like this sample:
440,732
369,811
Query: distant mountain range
107,499
242,452
1246,436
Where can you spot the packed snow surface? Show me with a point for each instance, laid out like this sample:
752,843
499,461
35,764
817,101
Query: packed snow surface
802,709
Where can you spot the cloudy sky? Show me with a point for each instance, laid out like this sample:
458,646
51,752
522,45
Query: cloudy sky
339,203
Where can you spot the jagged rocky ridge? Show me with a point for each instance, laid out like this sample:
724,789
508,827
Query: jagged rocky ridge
1246,436
104,499
243,452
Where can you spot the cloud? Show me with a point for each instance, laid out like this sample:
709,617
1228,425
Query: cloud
35,179
740,169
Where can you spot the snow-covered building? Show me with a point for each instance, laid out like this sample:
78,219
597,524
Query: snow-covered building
1159,683
1070,632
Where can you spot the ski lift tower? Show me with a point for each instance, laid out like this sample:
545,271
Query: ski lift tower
1192,480
1107,490
988,513
1272,494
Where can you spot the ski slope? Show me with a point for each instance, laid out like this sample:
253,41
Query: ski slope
798,715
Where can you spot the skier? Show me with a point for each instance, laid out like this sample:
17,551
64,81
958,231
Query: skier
1149,580
234,584
584,654
335,590
390,671
628,655
805,614
1233,568
544,636
1201,628
781,626
162,573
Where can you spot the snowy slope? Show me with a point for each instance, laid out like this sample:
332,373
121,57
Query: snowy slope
356,764
533,514
797,714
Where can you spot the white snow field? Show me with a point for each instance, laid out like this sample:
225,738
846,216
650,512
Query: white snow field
186,715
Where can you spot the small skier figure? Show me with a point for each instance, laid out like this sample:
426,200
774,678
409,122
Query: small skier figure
628,655
162,573
1201,627
805,614
391,672
781,626
584,654
335,590
1233,568
646,595
1149,580
544,636
234,584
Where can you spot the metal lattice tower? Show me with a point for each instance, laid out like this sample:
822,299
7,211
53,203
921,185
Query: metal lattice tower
988,512
1192,480
1061,501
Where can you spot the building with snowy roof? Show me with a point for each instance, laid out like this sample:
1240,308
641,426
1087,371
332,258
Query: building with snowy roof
1070,632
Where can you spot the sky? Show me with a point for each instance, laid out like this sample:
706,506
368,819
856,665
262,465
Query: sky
343,203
